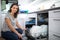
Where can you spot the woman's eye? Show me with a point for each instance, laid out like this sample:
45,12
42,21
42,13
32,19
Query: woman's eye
14,8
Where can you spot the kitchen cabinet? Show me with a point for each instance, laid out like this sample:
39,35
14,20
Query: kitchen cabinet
54,25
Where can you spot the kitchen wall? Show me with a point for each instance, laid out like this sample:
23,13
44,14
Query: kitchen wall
0,18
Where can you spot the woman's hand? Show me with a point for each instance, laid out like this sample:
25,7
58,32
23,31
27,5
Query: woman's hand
24,29
19,35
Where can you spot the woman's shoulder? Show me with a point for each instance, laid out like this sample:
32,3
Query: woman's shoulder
7,14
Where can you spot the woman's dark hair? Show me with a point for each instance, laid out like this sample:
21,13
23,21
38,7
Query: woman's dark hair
15,14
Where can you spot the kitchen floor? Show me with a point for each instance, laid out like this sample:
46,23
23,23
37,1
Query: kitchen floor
42,39
36,39
2,38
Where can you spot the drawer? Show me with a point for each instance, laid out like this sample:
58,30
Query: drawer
54,24
53,36
54,28
54,13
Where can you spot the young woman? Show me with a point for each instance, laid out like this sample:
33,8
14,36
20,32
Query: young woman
11,29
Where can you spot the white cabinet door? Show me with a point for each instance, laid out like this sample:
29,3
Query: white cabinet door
54,25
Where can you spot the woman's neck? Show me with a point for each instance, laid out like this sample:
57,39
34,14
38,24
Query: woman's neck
12,14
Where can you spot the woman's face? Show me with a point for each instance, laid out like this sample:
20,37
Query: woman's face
14,8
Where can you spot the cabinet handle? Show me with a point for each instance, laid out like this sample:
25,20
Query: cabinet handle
57,11
56,35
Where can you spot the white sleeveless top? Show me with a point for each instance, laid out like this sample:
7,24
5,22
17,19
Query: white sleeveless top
13,22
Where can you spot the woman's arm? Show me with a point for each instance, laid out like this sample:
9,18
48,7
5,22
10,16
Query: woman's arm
7,20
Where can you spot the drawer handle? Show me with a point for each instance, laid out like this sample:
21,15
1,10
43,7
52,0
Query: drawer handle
57,11
56,35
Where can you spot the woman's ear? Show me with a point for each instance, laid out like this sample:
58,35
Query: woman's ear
11,9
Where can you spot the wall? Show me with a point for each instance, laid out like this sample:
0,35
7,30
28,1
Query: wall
0,18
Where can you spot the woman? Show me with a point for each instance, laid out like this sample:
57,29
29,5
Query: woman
11,29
